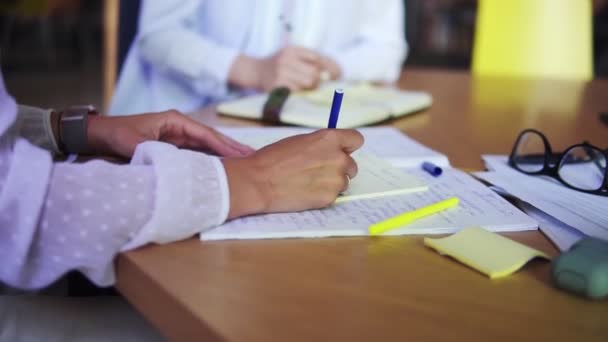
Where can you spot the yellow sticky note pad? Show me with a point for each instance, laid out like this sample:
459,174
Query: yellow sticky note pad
489,253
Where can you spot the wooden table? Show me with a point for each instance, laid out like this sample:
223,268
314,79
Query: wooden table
388,288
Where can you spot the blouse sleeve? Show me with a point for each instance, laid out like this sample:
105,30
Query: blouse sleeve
95,210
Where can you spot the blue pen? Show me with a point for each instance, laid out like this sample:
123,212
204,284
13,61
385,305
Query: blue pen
335,108
432,169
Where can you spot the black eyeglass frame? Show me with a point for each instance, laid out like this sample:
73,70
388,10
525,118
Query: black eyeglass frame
552,162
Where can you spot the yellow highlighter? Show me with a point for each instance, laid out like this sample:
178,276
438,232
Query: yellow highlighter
409,217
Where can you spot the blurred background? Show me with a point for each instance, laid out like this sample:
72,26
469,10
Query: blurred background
52,51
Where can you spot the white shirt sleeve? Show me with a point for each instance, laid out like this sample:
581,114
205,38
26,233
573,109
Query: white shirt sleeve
380,49
169,41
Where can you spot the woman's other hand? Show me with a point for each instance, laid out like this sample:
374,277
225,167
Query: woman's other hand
119,135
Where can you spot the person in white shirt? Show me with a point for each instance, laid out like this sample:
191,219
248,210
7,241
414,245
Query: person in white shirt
192,53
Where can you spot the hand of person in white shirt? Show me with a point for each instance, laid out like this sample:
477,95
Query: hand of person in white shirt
298,173
119,135
294,67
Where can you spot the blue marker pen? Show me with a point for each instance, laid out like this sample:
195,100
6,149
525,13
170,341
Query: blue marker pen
335,108
432,169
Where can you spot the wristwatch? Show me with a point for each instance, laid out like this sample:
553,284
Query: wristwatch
73,129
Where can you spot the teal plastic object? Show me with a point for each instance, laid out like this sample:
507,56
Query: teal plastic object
583,269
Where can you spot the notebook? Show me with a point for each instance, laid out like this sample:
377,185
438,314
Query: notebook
363,104
479,206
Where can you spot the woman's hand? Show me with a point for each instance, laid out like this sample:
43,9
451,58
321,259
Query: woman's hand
294,67
298,173
331,67
119,135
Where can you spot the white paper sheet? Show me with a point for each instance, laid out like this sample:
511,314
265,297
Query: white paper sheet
479,206
385,142
562,235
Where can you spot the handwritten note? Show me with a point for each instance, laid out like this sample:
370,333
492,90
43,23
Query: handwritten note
479,206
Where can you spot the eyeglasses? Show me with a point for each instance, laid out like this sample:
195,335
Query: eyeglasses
580,167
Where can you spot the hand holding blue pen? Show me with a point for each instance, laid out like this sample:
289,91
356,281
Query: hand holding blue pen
335,108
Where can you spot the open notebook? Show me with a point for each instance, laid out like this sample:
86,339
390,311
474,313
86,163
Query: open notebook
363,104
479,206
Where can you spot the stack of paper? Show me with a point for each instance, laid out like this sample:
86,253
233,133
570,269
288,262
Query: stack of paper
560,233
571,214
479,206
